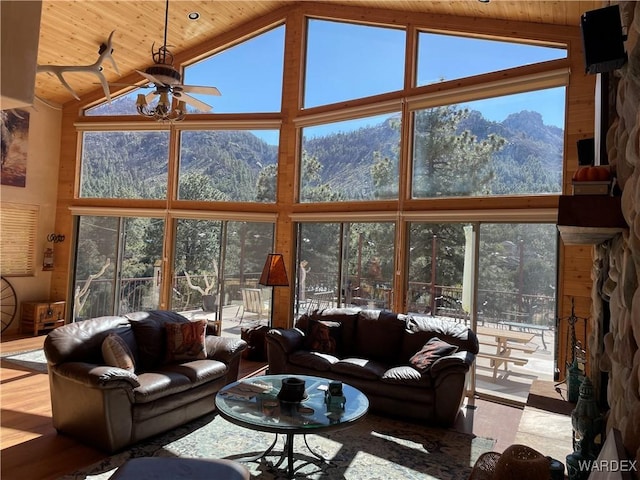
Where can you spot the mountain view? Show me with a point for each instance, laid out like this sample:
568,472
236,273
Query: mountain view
457,153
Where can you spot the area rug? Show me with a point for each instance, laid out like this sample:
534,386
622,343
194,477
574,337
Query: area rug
374,448
32,360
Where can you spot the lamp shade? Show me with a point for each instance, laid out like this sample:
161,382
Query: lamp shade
274,274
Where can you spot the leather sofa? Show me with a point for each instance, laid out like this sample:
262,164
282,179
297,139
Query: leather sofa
110,407
381,353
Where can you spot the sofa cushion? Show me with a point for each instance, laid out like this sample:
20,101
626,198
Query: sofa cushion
346,317
406,375
117,353
198,371
379,335
151,336
324,336
420,329
160,384
360,368
186,341
430,352
313,360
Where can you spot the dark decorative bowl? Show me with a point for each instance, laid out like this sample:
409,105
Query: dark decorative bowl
292,390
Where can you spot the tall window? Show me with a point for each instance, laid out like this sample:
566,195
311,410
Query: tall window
124,164
351,160
248,75
510,145
362,61
228,165
449,57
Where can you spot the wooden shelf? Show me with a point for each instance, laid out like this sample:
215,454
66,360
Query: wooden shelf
589,219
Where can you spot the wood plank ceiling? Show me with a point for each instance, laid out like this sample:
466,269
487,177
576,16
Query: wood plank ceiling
72,31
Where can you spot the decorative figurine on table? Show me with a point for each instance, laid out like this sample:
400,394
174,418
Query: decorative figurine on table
333,397
587,422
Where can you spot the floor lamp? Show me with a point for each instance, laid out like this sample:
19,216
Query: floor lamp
274,274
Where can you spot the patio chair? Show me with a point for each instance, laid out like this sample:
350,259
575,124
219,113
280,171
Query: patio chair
252,303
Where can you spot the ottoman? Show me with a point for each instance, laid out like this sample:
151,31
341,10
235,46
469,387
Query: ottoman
174,468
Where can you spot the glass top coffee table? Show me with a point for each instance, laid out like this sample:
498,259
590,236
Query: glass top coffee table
253,403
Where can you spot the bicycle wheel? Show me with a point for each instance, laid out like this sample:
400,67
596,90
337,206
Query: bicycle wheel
8,304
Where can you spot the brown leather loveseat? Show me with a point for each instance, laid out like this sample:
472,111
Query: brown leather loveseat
413,367
156,385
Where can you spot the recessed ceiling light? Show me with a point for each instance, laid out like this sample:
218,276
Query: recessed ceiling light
193,16
484,1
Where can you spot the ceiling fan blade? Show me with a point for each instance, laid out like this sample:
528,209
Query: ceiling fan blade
116,84
151,78
201,89
194,102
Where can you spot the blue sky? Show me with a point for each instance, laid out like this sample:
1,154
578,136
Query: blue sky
347,61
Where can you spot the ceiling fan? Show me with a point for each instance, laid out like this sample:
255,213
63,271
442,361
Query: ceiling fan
166,80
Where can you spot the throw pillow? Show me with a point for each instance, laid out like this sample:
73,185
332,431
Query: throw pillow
323,336
117,353
430,352
186,341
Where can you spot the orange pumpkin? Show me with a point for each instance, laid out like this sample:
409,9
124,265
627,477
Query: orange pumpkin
592,174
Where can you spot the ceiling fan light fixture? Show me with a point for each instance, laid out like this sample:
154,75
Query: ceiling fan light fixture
141,101
163,111
166,80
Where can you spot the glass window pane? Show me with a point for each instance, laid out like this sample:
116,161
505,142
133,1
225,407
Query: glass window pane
517,276
121,105
124,164
362,272
437,283
449,57
228,165
118,266
318,267
510,145
344,61
95,267
248,75
368,264
141,262
196,263
351,160
213,262
247,246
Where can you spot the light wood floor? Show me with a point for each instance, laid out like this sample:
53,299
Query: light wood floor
32,449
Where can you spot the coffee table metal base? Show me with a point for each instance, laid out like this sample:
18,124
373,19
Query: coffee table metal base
286,454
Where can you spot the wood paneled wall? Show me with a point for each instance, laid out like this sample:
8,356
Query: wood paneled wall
574,261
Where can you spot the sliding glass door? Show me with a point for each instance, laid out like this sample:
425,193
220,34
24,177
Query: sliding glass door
117,265
514,290
214,262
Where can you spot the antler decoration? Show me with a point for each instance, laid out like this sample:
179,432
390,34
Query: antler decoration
105,52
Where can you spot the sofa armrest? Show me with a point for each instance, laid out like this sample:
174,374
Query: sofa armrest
224,349
458,360
288,339
96,376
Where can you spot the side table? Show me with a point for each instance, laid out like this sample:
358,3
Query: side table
42,315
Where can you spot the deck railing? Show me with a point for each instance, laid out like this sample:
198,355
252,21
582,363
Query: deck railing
136,294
